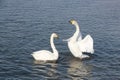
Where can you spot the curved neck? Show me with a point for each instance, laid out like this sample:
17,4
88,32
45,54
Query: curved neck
53,46
76,34
77,27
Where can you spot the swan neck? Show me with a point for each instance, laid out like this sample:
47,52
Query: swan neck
52,45
76,34
77,27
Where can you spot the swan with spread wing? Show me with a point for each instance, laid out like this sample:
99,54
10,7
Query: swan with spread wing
77,45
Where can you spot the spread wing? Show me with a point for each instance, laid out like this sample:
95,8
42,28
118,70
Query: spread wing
86,45
67,39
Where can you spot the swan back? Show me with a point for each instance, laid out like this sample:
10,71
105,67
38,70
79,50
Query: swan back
44,55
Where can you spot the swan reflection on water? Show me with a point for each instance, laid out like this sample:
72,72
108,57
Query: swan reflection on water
78,69
45,70
73,69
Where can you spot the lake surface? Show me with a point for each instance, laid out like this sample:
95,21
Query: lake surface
26,25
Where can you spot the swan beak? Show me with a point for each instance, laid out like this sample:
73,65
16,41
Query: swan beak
70,21
57,37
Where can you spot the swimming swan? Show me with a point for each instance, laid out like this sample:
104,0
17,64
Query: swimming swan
44,55
77,45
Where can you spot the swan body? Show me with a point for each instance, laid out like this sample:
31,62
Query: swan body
77,45
44,55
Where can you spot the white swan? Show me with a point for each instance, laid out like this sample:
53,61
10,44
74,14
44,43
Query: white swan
77,45
44,55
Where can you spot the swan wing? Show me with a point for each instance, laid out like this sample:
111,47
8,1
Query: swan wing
86,45
67,39
43,55
79,37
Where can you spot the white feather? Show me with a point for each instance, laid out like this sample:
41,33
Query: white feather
77,45
44,55
86,45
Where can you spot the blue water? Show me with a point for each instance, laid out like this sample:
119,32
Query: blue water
26,25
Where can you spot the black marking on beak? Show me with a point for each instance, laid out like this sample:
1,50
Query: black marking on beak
70,22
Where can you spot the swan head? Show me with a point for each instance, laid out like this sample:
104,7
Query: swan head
55,35
73,22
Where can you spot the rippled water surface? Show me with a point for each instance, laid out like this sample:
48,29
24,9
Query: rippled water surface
26,25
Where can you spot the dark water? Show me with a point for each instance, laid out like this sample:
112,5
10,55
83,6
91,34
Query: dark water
26,25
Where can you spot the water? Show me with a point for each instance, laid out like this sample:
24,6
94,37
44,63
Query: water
26,25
